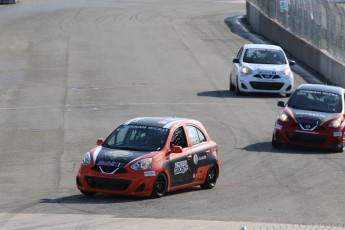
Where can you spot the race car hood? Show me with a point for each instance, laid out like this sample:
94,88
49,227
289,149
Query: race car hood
113,159
266,67
310,119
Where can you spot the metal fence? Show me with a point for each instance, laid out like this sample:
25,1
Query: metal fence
320,22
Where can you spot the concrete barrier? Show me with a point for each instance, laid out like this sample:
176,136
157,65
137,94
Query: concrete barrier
303,51
8,1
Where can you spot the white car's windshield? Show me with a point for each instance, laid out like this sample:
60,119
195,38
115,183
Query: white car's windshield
264,56
316,100
137,138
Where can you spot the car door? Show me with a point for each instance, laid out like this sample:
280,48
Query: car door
180,164
200,148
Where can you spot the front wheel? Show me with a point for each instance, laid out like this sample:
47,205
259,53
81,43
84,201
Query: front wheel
211,177
276,144
237,89
231,86
340,149
160,186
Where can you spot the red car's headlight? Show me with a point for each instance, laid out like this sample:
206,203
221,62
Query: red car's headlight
335,123
284,117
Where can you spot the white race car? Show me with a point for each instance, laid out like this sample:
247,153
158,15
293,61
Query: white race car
262,68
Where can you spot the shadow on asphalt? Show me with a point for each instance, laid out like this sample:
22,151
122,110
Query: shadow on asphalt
228,94
111,199
286,149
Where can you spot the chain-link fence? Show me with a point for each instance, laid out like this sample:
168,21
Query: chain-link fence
320,22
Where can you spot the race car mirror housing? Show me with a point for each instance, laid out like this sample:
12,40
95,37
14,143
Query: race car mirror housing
281,104
235,60
176,149
100,141
291,63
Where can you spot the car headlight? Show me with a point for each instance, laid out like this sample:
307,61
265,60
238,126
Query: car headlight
284,117
142,164
86,159
287,72
335,123
246,70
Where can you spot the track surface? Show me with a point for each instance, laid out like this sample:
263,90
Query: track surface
71,71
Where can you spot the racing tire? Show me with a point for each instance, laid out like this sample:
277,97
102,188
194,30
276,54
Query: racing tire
237,89
211,177
88,193
276,144
231,86
340,149
159,186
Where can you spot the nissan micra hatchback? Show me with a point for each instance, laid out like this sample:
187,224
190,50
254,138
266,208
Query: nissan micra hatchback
261,68
150,156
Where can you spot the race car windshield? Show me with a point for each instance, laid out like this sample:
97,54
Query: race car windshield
315,100
137,138
264,56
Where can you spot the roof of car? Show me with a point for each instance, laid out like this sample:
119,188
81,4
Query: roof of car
163,122
262,46
320,87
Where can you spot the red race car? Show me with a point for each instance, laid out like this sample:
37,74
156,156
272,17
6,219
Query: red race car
313,116
150,156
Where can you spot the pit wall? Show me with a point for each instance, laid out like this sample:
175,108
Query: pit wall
330,69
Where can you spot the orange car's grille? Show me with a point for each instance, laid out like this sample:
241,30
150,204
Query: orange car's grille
108,169
107,183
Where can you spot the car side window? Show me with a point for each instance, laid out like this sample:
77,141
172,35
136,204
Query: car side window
179,138
195,135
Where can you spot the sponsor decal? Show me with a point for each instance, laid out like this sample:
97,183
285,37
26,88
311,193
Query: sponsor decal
300,114
181,167
110,163
308,132
202,158
279,127
266,72
149,173
118,154
337,134
195,159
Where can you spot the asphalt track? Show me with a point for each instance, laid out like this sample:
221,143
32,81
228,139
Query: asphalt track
71,71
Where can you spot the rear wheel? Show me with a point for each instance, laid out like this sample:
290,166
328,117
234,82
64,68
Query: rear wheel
276,144
160,186
211,177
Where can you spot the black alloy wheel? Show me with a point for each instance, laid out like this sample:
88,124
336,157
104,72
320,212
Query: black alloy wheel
211,177
159,186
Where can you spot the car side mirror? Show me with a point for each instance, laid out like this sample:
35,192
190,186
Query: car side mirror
281,104
291,63
176,149
100,141
236,60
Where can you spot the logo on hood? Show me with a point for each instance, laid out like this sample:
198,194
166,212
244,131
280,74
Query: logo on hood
118,154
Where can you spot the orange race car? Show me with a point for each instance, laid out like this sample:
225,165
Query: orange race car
150,156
